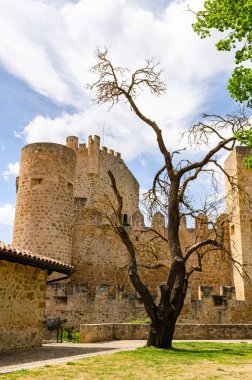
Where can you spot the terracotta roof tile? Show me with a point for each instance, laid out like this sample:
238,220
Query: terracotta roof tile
14,254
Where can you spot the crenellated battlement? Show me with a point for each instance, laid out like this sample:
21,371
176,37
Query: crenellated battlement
205,292
93,146
102,306
202,225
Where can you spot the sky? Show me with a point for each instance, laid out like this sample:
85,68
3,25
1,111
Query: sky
46,52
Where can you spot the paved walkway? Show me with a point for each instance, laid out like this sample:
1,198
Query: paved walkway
55,353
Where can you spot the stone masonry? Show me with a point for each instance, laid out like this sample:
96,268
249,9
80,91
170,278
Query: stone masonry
23,277
64,199
23,293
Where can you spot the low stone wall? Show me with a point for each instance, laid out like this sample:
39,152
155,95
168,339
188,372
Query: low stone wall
90,333
213,331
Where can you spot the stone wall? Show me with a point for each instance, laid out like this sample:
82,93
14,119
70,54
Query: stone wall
44,209
239,208
99,290
92,181
82,307
64,200
78,306
90,333
22,294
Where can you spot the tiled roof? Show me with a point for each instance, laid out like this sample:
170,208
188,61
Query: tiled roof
10,253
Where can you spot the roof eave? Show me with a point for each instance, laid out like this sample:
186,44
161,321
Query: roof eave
34,262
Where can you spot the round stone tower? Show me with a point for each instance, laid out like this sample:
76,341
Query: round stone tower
44,207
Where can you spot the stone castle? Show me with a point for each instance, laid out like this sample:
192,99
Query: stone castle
63,193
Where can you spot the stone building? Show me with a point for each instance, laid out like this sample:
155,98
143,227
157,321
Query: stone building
23,278
64,200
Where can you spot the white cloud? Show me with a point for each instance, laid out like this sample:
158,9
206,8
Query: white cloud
50,45
7,213
122,132
12,170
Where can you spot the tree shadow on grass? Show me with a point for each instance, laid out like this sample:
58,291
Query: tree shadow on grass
215,351
21,356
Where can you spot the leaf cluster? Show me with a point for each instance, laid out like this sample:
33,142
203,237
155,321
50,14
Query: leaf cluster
235,17
245,137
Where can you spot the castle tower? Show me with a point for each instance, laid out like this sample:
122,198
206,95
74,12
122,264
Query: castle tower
239,208
97,253
44,207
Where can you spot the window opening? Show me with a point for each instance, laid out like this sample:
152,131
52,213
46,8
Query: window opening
125,220
36,181
70,187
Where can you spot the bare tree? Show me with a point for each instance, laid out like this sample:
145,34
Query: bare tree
169,191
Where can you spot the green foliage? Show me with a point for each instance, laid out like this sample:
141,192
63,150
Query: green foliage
72,336
240,85
235,18
245,138
145,321
192,351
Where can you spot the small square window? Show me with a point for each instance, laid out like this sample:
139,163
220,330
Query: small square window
36,181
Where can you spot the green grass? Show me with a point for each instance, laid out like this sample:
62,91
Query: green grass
206,361
145,321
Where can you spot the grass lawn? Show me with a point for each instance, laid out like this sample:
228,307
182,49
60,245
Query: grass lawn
206,361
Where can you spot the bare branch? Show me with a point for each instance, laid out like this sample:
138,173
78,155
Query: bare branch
197,268
142,290
151,230
111,85
158,264
195,247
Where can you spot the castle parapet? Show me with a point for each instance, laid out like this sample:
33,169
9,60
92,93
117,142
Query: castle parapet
201,226
72,142
183,224
158,222
93,148
82,146
93,155
138,220
228,292
205,291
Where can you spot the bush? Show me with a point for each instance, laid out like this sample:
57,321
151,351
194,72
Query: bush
72,336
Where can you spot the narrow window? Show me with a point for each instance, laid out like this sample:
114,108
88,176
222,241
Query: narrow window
70,187
36,181
17,184
125,219
232,229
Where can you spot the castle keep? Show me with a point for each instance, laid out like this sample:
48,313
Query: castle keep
63,202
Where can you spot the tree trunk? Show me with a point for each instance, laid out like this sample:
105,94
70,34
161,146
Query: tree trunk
161,333
170,305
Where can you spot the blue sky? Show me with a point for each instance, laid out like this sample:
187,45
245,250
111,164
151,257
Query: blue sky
46,49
